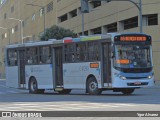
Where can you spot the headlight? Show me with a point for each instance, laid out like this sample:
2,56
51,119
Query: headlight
149,77
122,77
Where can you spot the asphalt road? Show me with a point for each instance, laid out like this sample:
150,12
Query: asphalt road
146,99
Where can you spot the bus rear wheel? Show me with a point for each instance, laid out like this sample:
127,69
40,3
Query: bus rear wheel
33,87
127,91
92,86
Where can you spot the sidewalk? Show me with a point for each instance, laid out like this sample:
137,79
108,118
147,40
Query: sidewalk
157,84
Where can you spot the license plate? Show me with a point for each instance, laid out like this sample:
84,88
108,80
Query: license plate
137,83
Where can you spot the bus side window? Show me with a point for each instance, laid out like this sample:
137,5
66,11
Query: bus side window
45,54
12,57
70,56
49,59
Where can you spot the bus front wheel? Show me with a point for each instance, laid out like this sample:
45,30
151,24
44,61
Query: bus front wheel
128,91
92,86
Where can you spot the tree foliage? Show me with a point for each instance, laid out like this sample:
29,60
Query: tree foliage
56,32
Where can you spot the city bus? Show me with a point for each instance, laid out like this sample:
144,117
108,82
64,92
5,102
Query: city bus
121,62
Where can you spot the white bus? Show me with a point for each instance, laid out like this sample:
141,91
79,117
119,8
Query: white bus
118,62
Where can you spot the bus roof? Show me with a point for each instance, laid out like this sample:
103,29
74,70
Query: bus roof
36,43
54,41
69,40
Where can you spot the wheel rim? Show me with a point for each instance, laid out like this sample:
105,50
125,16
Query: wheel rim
93,86
33,85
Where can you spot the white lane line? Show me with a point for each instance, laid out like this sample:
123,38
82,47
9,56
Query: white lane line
126,104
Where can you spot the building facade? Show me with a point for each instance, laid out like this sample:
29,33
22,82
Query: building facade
25,20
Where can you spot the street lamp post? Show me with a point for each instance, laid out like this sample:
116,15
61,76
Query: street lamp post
43,8
21,21
8,33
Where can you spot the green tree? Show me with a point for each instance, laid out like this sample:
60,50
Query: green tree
56,32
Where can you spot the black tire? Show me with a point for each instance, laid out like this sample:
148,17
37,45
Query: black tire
92,86
65,91
33,87
127,91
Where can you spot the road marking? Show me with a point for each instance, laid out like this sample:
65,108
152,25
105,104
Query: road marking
126,104
51,106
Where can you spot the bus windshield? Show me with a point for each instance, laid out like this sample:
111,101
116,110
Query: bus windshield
132,56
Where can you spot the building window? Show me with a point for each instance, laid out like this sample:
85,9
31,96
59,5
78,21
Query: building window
5,35
152,19
13,30
111,27
95,4
16,28
25,22
85,33
12,9
63,18
50,7
73,13
5,15
41,12
96,30
33,17
131,23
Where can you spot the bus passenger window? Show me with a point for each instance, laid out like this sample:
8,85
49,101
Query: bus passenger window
12,57
49,59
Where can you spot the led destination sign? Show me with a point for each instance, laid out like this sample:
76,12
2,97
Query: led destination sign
133,38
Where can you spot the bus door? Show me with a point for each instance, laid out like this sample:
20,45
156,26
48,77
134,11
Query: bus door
57,67
106,64
21,68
